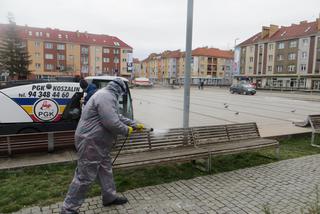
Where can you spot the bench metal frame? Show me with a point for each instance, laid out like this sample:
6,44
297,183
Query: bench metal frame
315,124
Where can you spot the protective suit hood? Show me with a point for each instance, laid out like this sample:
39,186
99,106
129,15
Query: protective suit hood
117,86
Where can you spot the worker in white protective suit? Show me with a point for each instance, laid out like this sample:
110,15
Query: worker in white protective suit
98,127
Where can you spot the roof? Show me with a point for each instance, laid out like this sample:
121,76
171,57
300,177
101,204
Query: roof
214,52
56,35
302,29
105,78
174,54
136,60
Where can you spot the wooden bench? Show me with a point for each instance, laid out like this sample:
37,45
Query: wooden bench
43,141
202,142
159,147
162,146
230,139
315,124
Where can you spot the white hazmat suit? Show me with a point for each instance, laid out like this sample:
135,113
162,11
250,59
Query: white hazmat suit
96,132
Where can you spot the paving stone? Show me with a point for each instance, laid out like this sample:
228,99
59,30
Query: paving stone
285,187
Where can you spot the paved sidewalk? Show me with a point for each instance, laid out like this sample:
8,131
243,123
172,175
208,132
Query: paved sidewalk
285,187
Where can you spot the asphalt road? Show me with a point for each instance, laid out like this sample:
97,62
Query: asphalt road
274,112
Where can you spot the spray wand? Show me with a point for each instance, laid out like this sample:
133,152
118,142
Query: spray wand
124,142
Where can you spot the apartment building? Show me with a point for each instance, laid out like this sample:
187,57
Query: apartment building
55,52
282,57
207,63
136,67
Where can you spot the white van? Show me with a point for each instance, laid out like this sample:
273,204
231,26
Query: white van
43,107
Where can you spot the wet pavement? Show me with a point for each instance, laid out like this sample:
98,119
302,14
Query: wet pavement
274,112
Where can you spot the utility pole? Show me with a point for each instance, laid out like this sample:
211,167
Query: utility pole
186,100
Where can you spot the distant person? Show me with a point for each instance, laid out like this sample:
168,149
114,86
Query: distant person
202,84
90,89
199,85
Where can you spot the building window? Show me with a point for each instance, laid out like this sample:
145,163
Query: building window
251,59
116,43
48,35
84,50
270,58
270,46
279,68
280,45
48,45
60,47
106,60
293,44
291,56
49,56
38,65
59,36
280,57
116,51
49,66
251,49
30,33
304,55
124,59
60,67
305,42
37,43
250,69
116,60
71,57
303,67
37,54
85,60
269,68
106,50
60,56
84,69
97,59
228,68
291,68
37,34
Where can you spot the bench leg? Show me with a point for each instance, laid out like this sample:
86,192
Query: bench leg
209,163
278,152
313,137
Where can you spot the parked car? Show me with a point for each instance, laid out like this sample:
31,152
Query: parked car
142,82
247,89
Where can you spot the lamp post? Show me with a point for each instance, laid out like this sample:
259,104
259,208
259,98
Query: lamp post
186,100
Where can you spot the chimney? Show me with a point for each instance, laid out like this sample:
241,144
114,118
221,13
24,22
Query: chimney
78,33
304,22
318,24
273,30
86,34
265,32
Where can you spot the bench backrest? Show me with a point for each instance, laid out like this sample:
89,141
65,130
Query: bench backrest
225,133
242,131
315,122
210,134
43,141
159,139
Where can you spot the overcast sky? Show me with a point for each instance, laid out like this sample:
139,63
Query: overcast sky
156,25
